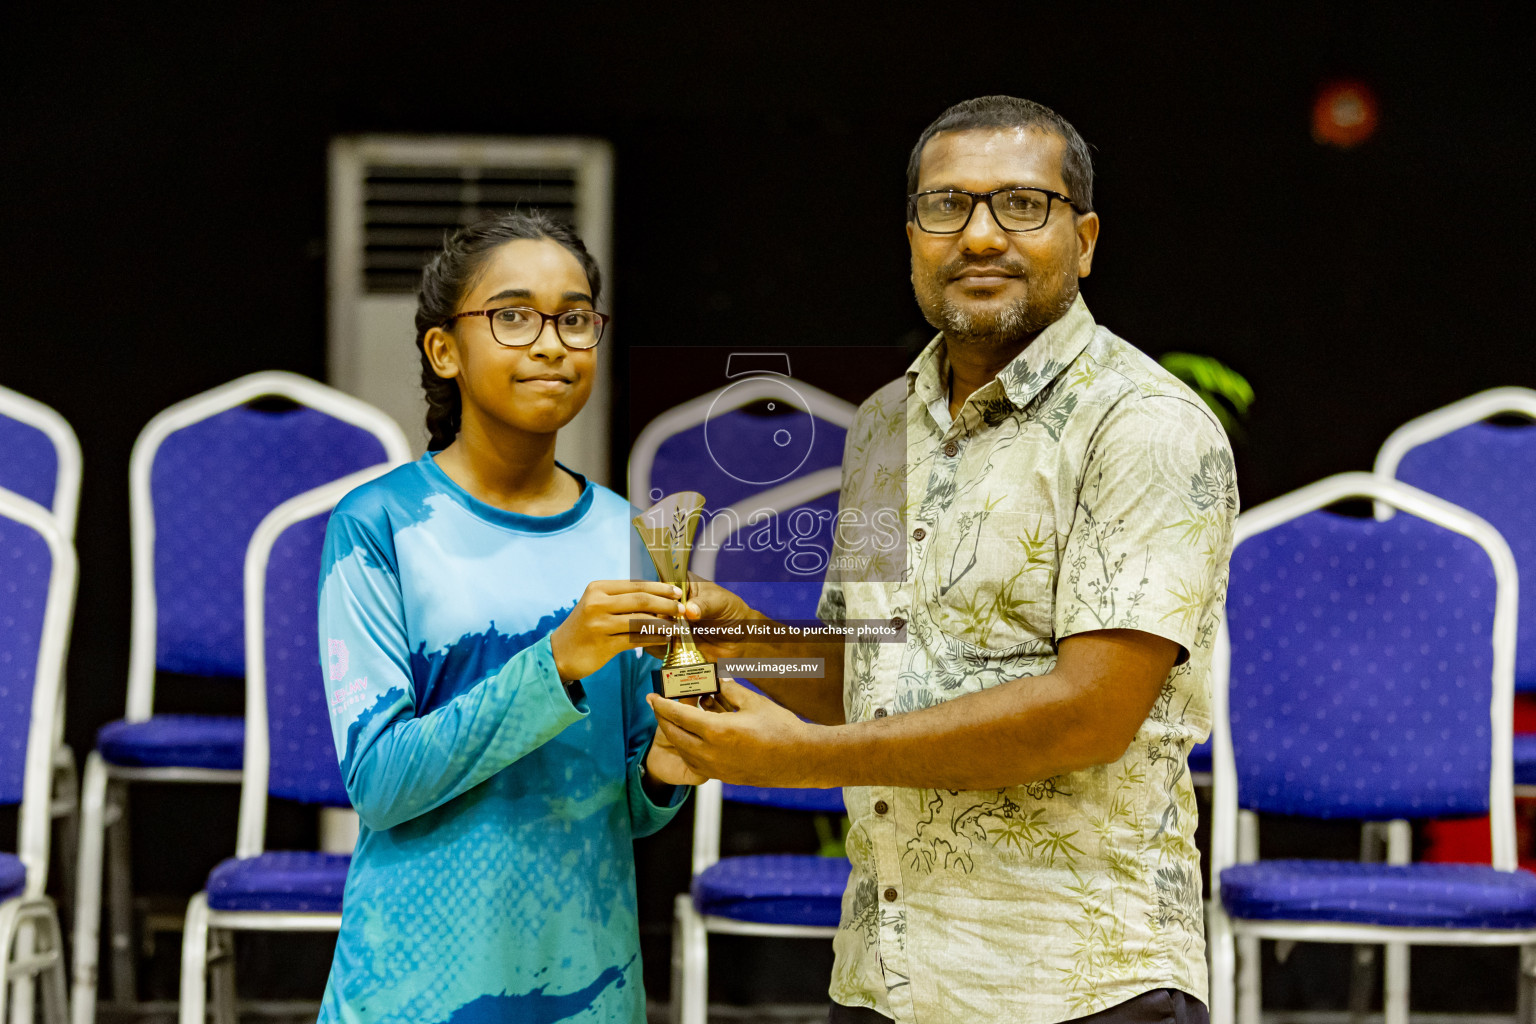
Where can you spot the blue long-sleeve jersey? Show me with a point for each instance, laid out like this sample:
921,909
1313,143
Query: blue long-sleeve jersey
493,878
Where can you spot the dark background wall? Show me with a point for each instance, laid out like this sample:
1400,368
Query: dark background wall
162,215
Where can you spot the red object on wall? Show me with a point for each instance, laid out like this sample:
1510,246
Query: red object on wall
1344,114
1466,840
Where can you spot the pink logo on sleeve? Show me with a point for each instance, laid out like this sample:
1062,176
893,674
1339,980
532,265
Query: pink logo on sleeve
338,649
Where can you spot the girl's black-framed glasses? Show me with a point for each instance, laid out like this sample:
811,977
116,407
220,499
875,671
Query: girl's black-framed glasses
520,326
1014,208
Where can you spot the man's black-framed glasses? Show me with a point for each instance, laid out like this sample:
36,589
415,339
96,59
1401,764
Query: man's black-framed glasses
520,326
1015,208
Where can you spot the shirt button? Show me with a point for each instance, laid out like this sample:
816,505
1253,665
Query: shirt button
919,533
879,712
890,895
881,807
952,449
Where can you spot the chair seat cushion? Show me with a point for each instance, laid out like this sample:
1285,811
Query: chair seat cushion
175,741
1525,759
825,801
774,889
302,881
13,876
1406,895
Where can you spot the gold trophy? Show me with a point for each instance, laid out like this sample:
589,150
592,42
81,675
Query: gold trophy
667,528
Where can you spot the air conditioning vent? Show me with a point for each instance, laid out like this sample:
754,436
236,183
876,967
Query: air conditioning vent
408,210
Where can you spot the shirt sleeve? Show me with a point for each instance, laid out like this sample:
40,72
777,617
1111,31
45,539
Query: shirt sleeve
1152,535
645,815
833,606
395,763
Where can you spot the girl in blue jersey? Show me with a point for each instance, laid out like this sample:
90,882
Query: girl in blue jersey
488,704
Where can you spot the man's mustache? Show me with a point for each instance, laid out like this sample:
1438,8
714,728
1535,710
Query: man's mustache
951,270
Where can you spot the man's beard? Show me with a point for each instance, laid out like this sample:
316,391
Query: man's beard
1015,324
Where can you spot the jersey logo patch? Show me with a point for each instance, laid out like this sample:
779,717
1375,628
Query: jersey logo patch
338,651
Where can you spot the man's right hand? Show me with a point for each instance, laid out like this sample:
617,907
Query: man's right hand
719,607
820,700
599,626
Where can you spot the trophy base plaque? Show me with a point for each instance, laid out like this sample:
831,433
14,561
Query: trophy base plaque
686,681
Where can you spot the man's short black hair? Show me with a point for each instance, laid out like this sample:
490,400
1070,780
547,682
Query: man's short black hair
1012,112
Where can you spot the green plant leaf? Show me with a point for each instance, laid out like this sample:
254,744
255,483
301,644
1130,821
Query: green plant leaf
832,844
1223,389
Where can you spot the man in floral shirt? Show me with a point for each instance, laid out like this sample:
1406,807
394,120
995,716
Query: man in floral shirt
1016,767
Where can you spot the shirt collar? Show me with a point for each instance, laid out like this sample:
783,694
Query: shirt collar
1023,378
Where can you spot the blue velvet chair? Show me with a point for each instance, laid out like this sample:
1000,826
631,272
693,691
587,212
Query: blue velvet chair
288,754
1365,672
202,475
37,594
41,463
777,895
1488,469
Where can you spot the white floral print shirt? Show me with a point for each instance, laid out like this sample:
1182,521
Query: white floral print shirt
1084,488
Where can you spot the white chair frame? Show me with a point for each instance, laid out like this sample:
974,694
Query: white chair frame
1233,997
66,447
745,391
31,945
690,929
1445,420
104,789
65,805
207,947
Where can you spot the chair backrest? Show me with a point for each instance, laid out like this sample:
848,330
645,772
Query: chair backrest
1365,669
41,460
202,475
739,440
288,748
37,596
1489,470
773,548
